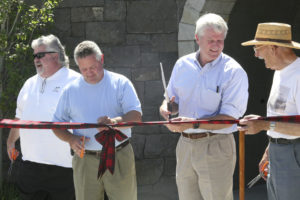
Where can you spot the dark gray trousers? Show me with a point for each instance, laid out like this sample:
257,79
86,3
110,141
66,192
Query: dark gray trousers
284,178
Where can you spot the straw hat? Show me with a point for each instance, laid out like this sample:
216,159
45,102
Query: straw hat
273,34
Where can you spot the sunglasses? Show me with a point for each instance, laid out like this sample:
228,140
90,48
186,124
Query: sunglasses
42,54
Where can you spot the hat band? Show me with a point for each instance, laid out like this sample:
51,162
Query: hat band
273,40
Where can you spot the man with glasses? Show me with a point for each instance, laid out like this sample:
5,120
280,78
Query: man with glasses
46,167
273,43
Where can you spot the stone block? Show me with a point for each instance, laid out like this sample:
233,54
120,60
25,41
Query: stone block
138,145
80,3
150,59
106,32
149,171
138,39
78,29
122,56
186,47
162,145
87,14
196,4
154,93
140,88
164,42
189,15
158,17
168,60
146,130
121,70
170,166
114,10
220,7
71,43
150,113
186,32
145,74
62,22
165,189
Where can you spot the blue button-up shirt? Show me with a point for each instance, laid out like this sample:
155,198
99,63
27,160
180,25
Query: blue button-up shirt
219,87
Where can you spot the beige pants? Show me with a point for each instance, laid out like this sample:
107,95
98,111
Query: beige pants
119,186
205,167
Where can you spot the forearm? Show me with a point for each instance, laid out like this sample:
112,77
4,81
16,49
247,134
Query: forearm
13,136
63,135
286,128
216,126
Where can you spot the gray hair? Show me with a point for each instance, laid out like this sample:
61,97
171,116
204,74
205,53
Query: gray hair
52,43
211,20
87,48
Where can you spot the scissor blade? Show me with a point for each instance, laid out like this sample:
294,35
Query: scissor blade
164,83
253,181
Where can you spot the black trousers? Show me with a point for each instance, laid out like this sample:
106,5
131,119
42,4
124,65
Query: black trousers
45,182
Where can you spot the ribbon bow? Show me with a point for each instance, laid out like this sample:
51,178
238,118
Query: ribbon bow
107,156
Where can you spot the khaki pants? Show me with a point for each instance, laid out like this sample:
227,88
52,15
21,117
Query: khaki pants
119,186
205,167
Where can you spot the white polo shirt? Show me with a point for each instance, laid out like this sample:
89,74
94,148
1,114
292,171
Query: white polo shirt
37,101
219,87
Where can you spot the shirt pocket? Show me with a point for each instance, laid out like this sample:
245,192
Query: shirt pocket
210,100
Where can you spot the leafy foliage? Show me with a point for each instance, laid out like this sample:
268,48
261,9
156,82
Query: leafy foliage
19,24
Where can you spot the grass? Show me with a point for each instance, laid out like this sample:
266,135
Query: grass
9,192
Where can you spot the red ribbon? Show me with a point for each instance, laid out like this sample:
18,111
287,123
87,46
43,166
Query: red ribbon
107,157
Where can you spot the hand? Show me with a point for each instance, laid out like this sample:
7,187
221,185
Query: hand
264,159
105,120
164,109
180,127
251,125
76,144
12,152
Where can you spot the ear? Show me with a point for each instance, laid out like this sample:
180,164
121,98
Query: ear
196,36
102,59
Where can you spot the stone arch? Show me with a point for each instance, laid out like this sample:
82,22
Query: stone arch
191,12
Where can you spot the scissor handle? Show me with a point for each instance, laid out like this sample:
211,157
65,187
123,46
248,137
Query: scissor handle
82,150
262,169
14,154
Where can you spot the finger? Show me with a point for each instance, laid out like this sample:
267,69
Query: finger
172,99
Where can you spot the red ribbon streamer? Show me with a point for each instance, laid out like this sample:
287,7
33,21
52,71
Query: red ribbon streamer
10,123
107,156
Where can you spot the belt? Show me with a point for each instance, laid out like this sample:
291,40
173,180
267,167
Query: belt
197,135
283,140
118,148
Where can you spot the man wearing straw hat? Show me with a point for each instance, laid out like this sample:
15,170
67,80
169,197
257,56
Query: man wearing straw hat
273,43
206,84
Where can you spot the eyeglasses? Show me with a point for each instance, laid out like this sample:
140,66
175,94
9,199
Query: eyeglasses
256,48
42,54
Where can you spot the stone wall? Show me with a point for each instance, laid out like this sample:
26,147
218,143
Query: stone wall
135,37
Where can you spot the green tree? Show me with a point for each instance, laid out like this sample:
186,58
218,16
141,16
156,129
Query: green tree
19,24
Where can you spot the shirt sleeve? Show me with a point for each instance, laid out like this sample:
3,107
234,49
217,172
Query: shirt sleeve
62,112
170,88
128,97
235,95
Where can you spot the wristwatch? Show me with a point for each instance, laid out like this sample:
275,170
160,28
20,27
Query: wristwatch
272,126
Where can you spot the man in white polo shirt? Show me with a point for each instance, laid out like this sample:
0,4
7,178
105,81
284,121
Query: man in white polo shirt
273,43
45,172
206,84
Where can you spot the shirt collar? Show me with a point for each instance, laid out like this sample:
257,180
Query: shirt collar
210,64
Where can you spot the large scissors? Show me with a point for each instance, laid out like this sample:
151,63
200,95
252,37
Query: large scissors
167,98
263,173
